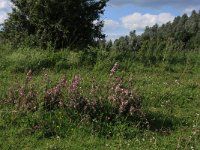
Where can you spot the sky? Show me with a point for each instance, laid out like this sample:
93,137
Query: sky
122,16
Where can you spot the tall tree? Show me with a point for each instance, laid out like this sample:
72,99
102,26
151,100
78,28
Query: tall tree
60,23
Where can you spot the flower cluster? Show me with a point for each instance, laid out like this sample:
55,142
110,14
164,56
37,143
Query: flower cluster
74,85
126,101
102,102
53,97
24,97
56,96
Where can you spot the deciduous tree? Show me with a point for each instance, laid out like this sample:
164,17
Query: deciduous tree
59,23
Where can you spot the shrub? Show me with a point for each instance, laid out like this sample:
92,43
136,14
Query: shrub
100,103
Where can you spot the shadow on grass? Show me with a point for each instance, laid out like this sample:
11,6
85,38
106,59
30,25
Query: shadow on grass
127,128
131,127
161,123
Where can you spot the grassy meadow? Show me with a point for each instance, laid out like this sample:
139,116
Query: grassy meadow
159,111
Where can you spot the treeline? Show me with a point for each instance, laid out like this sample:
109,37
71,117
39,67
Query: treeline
181,34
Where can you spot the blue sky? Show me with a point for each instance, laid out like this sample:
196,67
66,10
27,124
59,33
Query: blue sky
123,16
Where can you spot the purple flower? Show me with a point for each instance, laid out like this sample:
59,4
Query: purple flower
75,83
114,69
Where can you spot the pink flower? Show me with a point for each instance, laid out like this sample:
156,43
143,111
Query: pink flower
29,75
114,69
75,83
21,91
126,92
63,82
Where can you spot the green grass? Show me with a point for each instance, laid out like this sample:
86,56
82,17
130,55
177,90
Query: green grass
170,93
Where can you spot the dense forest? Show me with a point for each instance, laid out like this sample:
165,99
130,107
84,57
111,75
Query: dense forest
181,34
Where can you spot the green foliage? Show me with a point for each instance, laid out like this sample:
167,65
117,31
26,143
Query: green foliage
61,24
127,43
180,35
21,60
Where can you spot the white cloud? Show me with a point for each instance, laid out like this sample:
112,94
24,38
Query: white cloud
114,36
189,10
2,4
5,6
179,4
110,24
113,29
3,16
138,21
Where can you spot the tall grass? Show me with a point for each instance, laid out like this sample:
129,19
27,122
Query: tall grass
24,59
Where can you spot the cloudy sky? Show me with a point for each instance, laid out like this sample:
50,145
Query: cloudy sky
123,16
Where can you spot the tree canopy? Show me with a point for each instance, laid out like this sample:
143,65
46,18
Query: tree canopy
59,23
181,34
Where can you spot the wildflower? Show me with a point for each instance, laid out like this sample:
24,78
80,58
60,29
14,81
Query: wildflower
56,90
124,103
29,75
63,81
126,92
21,92
74,84
114,69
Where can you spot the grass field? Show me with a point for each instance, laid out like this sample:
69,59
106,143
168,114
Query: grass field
169,91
